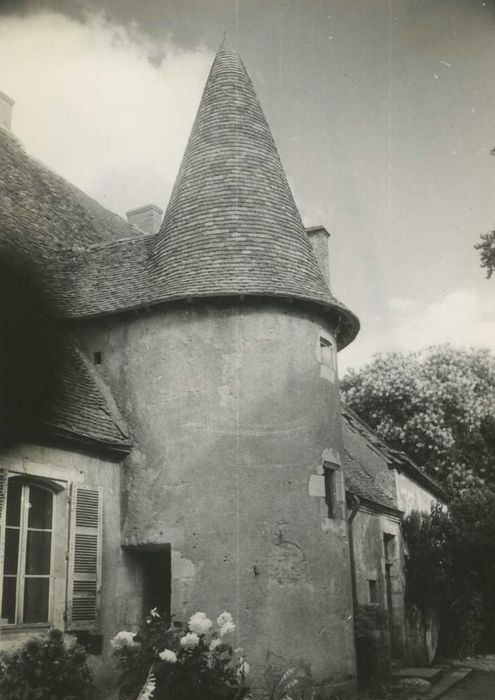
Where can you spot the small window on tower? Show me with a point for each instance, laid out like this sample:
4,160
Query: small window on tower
326,352
326,357
330,492
97,357
373,590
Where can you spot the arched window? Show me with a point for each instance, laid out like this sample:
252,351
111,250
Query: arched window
28,552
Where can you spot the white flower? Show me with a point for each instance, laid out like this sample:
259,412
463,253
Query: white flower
123,639
168,655
215,643
154,613
226,628
199,623
224,618
189,640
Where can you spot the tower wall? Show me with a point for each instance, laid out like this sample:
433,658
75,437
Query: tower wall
234,412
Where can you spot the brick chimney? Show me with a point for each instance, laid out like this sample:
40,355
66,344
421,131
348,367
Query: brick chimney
147,219
320,241
6,104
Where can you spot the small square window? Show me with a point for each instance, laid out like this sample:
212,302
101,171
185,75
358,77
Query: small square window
97,357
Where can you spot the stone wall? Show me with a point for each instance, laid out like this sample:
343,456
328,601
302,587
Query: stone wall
235,413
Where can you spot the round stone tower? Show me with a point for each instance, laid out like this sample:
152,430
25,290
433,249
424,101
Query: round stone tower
227,378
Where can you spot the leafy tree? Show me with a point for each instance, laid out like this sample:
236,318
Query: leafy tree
437,405
451,567
486,246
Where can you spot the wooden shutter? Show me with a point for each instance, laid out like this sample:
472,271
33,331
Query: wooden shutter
84,561
3,510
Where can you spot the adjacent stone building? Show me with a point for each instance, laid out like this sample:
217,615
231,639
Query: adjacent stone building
384,485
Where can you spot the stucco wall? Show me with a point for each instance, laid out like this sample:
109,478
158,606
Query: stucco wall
230,409
412,496
120,592
369,531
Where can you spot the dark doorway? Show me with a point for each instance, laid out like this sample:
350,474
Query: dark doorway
156,580
155,564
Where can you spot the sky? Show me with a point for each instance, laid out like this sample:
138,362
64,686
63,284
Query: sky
382,110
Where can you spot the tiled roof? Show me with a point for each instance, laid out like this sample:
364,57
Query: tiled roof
395,458
363,484
42,213
232,226
80,406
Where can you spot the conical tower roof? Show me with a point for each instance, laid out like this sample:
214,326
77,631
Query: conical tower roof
232,226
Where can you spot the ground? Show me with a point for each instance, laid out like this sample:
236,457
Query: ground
479,685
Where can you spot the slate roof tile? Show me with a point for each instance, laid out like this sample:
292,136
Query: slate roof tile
395,458
80,405
231,227
362,483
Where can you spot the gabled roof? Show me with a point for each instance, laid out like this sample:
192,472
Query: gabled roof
80,406
395,458
363,484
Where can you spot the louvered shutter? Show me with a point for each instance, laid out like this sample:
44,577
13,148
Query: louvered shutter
84,565
3,510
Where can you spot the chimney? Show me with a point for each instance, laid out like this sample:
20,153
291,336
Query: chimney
320,241
6,104
147,219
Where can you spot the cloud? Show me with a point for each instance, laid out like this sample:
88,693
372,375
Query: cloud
462,318
103,105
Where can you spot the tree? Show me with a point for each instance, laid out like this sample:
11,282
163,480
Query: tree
451,568
437,405
486,246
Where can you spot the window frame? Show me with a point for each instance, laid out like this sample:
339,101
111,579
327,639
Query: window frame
26,483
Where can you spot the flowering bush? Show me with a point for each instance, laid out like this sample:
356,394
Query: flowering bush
46,669
181,661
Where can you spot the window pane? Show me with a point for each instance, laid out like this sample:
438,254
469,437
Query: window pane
36,592
40,511
13,503
11,550
38,552
8,599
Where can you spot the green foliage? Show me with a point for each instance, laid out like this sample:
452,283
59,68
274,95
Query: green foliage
437,405
486,246
293,683
45,669
209,669
451,567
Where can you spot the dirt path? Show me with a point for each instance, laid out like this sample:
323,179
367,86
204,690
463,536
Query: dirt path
479,685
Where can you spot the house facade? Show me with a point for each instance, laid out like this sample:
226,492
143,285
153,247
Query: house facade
383,486
189,455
